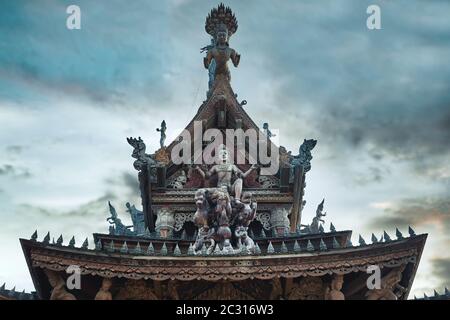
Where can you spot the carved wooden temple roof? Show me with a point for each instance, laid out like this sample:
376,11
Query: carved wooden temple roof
274,255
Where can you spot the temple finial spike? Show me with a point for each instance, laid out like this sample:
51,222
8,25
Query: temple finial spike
386,237
309,246
72,242
59,242
332,228
124,248
374,238
177,251
336,244
85,244
398,234
361,241
47,238
270,248
322,245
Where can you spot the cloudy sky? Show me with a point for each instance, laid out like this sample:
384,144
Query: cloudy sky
378,101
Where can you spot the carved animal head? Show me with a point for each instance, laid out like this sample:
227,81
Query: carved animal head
138,145
307,145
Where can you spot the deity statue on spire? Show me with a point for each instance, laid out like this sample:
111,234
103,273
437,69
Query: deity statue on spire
221,24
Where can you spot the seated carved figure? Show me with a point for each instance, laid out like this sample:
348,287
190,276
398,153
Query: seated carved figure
225,172
103,293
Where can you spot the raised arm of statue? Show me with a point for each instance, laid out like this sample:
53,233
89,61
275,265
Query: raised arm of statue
207,59
246,173
202,173
235,57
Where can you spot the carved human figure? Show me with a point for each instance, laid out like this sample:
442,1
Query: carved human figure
267,131
103,293
334,291
221,53
163,133
225,171
58,285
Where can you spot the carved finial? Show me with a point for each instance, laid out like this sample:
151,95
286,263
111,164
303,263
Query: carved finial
436,294
374,239
98,245
34,236
336,244
111,247
72,242
309,246
217,251
137,249
415,298
446,292
297,247
411,231
47,238
284,249
270,248
361,241
3,287
59,242
386,237
191,250
150,250
398,234
332,228
85,244
204,250
163,250
177,251
322,245
257,249
124,248
12,292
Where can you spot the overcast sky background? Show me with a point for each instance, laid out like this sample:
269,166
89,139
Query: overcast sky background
377,101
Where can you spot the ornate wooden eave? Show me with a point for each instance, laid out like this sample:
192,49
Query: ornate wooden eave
232,268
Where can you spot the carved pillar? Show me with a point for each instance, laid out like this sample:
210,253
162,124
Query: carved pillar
165,222
279,221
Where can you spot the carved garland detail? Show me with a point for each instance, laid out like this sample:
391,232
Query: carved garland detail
181,218
219,269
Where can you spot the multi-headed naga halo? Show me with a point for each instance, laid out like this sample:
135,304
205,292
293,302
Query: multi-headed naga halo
221,16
